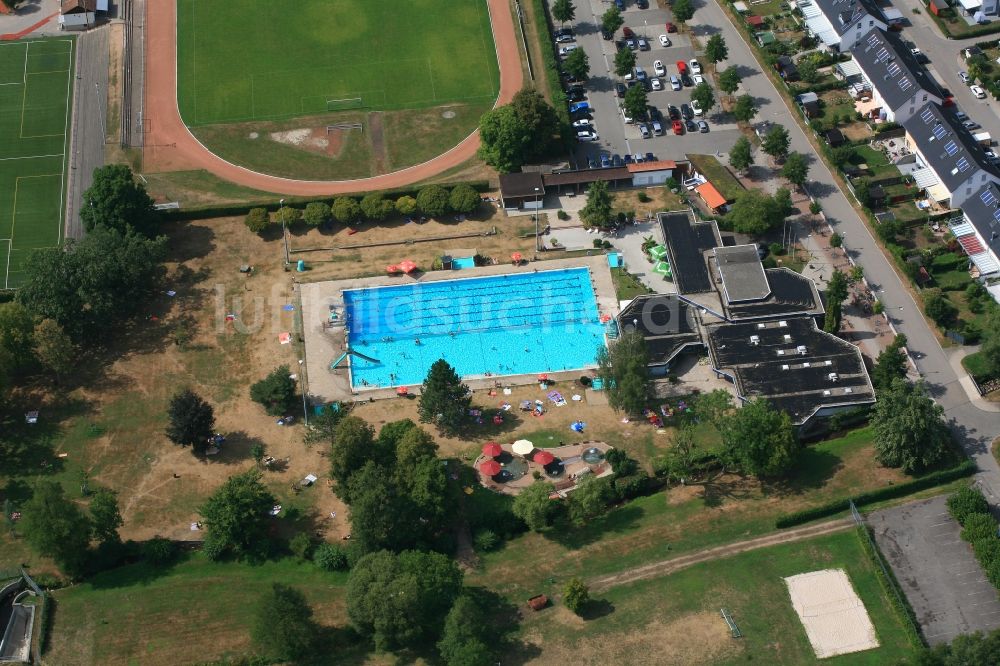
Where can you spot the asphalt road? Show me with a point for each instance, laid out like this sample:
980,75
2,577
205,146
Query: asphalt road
89,120
975,429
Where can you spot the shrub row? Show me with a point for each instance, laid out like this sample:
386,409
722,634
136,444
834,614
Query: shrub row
47,610
979,528
543,26
966,468
890,587
236,209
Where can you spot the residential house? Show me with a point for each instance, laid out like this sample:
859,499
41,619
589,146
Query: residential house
945,160
839,25
899,84
978,230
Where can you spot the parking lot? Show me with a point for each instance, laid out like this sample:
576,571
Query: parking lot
936,569
617,137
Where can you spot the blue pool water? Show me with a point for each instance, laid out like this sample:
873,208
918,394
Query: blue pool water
463,262
521,323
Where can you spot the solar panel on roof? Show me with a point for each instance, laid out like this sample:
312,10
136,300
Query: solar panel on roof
963,164
927,116
940,131
987,197
951,148
996,215
893,69
905,84
873,39
883,54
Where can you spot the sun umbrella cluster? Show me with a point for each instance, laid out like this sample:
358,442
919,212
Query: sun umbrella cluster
405,266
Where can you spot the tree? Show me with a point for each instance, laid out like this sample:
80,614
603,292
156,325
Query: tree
589,500
836,240
283,626
576,596
503,139
331,557
683,10
191,421
796,169
909,428
624,61
257,451
680,459
577,64
406,205
346,210
92,283
534,507
466,635
117,201
382,517
939,308
741,155
611,20
563,11
598,211
716,49
625,373
808,70
713,406
759,440
353,443
745,108
105,516
635,102
257,220
776,142
276,392
317,214
755,212
56,527
783,202
17,336
288,216
464,199
836,293
375,207
236,517
704,96
401,600
432,201
730,80
990,349
540,121
890,365
444,399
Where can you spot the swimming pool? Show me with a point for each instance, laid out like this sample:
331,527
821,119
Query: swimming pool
519,323
459,263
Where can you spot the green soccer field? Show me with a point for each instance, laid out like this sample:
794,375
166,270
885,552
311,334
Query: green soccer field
246,60
35,89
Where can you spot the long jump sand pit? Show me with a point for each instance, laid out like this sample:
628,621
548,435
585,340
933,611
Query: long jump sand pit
834,616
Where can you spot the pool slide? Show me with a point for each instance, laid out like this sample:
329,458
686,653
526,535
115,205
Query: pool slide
353,353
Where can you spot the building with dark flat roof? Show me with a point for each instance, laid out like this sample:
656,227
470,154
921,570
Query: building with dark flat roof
792,363
687,242
669,325
522,188
742,273
790,294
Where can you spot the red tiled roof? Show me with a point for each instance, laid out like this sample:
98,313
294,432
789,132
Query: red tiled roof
711,195
755,20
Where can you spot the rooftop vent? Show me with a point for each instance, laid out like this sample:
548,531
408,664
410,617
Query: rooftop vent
760,326
784,367
848,390
788,338
755,340
832,377
781,352
783,324
801,349
826,393
829,362
807,364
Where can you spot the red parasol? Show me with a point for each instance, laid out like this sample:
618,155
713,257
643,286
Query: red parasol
492,449
402,390
407,266
543,378
516,257
392,268
544,458
490,468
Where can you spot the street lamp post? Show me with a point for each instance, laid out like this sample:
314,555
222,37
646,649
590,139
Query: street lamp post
537,204
284,235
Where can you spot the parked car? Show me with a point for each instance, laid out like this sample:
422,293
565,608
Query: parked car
642,4
664,41
675,83
627,31
970,124
702,126
620,45
965,77
654,113
686,81
658,68
620,89
697,79
565,39
617,161
978,92
583,123
566,50
696,108
686,111
629,159
631,44
678,127
655,84
579,106
650,158
627,118
640,74
671,28
682,67
657,128
592,163
644,131
605,160
643,44
695,66
673,112
620,4
690,125
576,94
562,31
587,135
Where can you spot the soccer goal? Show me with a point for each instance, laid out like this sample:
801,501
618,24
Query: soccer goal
344,104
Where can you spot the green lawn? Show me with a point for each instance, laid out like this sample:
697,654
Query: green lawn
627,286
249,60
35,89
977,366
678,615
718,175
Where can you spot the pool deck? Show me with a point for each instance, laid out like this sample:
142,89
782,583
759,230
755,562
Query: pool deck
325,343
575,469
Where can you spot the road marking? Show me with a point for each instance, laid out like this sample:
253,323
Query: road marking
30,157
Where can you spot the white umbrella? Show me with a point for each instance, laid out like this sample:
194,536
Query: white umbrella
523,447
